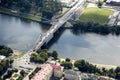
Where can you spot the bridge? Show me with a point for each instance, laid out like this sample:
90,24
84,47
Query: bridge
42,38
24,61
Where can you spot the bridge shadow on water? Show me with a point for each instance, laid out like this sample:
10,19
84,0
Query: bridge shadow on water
55,38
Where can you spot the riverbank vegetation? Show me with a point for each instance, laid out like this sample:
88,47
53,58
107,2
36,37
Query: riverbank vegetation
86,67
82,27
5,51
96,15
30,9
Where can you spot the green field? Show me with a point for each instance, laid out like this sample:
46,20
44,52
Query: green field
97,15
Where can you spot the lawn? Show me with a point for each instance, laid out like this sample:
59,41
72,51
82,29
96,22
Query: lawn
97,15
15,75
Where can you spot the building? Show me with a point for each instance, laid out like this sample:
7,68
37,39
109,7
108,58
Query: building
113,2
108,1
71,75
47,70
92,1
57,71
45,73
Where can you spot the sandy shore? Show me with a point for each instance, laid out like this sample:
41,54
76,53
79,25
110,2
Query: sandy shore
18,52
98,65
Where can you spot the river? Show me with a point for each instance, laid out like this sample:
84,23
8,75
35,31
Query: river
91,47
21,34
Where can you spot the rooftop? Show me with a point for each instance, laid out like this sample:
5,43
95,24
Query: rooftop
55,67
46,69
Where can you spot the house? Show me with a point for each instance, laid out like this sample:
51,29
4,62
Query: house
45,73
71,75
57,71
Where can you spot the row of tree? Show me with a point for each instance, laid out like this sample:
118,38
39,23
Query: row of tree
42,56
85,66
82,27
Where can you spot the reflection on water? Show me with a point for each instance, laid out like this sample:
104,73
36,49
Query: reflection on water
91,47
19,34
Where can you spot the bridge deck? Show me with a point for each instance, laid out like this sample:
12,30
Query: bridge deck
56,26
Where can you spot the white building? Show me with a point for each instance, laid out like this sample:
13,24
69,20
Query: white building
71,75
57,71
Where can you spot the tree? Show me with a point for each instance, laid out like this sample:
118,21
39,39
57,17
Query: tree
1,69
100,4
6,51
117,70
117,76
22,73
67,65
55,54
44,55
67,59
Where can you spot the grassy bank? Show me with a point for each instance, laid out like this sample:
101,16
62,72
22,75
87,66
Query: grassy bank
97,15
21,15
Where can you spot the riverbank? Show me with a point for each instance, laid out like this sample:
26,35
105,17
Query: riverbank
97,65
21,15
17,54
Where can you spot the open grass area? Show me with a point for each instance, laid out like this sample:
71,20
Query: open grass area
15,75
97,15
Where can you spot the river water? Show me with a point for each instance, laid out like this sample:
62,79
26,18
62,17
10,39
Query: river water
21,34
91,47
